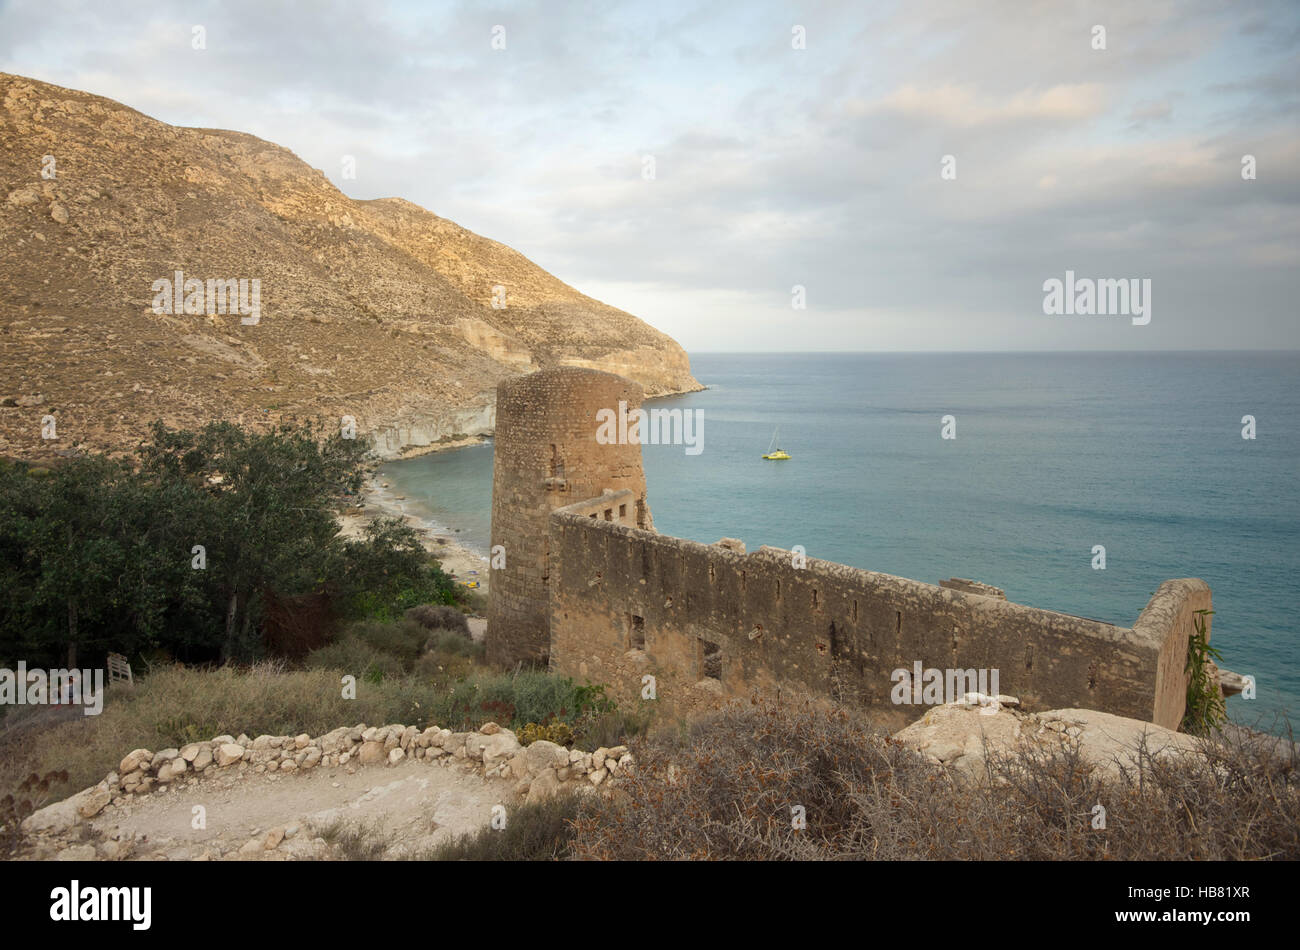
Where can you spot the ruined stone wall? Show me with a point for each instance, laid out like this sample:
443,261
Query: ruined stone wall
546,456
709,623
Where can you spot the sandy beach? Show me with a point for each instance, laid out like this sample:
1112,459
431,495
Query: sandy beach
463,564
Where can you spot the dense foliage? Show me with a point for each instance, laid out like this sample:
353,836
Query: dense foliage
99,554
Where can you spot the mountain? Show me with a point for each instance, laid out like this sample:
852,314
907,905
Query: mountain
379,310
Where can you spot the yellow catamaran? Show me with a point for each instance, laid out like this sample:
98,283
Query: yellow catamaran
774,453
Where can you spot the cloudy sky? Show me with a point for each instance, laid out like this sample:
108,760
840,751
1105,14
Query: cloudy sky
775,166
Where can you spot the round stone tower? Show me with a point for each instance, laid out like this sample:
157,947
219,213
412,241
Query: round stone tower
545,456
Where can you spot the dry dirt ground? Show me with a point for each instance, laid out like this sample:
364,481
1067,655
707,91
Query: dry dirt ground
414,804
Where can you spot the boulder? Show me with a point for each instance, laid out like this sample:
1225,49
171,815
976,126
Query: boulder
544,785
396,755
544,754
96,800
134,760
202,759
228,753
372,752
498,748
962,733
335,742
59,817
190,752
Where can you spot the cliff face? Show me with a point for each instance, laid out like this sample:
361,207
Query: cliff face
375,309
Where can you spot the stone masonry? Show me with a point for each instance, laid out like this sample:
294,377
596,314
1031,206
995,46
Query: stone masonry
596,591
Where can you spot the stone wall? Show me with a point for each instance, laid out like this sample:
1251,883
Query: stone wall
709,623
546,456
536,771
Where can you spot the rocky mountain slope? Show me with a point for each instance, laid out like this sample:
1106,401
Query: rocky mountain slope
377,310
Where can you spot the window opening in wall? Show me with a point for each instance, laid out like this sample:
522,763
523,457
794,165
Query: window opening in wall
814,598
636,632
640,512
592,515
622,512
710,660
609,514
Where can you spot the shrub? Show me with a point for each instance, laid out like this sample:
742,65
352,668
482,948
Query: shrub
403,640
451,643
557,732
537,832
354,656
1205,710
730,790
439,617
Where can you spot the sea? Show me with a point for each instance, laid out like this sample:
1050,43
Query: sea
1051,456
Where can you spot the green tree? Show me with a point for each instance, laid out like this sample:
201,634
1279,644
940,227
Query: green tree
270,523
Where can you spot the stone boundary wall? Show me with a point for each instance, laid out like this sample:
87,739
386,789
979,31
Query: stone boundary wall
710,624
538,770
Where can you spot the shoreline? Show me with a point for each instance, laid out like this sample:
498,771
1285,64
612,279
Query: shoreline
458,560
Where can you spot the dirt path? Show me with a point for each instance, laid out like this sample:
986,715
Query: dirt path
414,804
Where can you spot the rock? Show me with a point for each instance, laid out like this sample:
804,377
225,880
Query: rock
396,755
261,743
544,785
116,850
190,752
335,742
408,736
959,734
203,759
228,753
60,816
597,776
489,728
302,741
498,748
165,773
23,197
220,741
311,759
77,852
273,838
134,760
288,765
544,754
370,734
372,752
255,846
59,213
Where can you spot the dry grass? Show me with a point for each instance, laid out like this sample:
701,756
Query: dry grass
730,790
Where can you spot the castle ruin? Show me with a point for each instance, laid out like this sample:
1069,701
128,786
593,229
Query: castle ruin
590,589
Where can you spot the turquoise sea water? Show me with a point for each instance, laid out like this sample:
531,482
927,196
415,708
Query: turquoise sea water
1054,453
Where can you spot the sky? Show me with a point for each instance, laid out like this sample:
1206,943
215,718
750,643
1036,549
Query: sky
689,163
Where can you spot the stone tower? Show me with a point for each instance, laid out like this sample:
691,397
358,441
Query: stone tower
546,456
